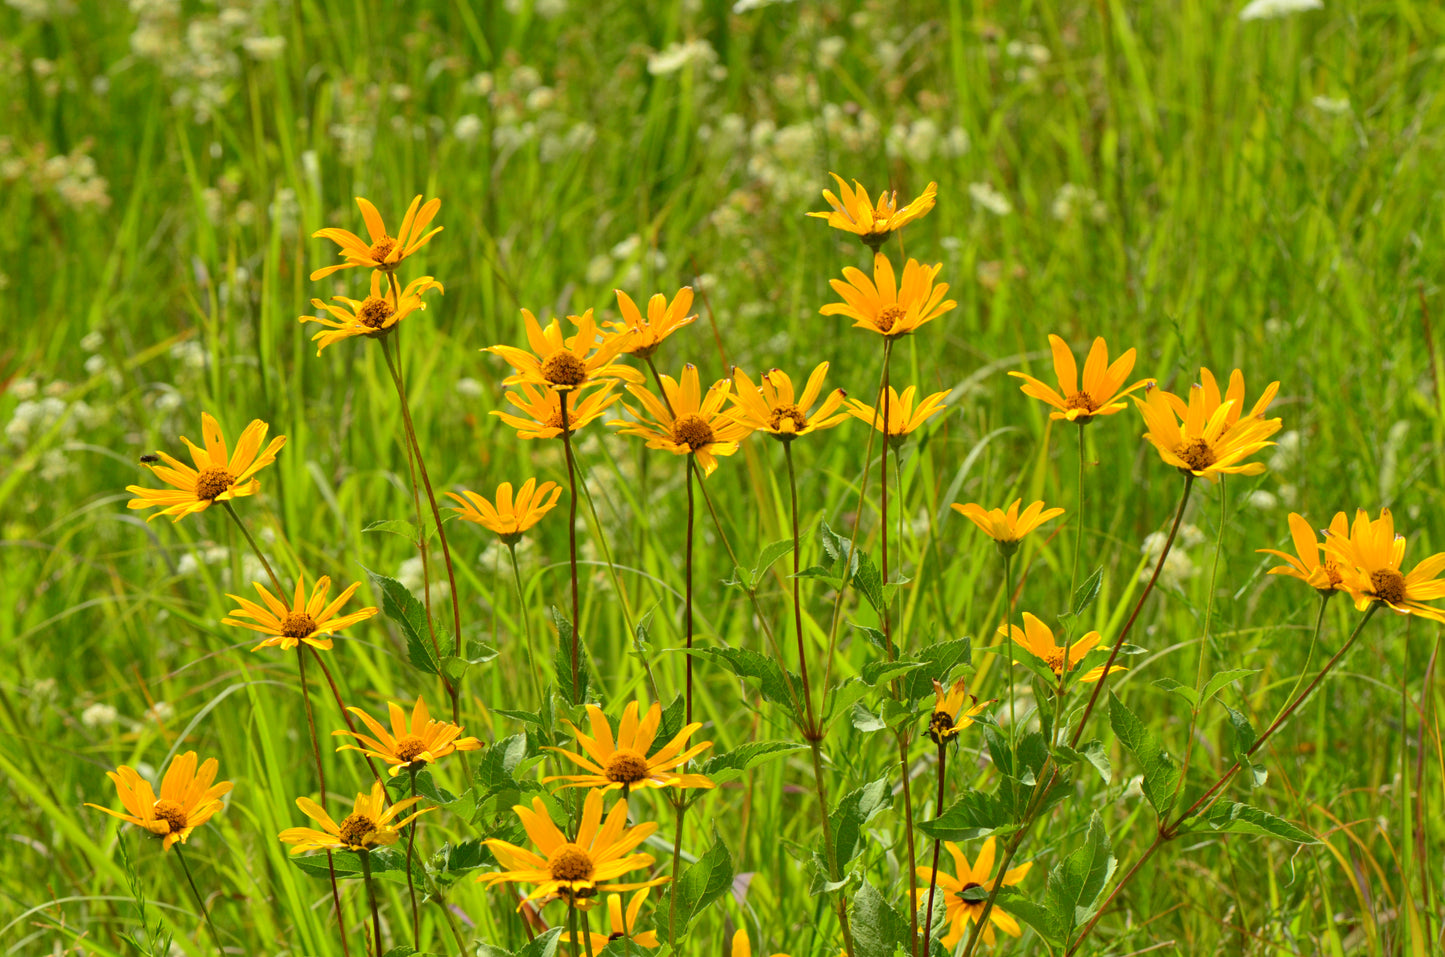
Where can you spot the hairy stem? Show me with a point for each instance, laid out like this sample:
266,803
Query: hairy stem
571,530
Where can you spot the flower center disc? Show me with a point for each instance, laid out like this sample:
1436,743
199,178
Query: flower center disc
172,813
888,317
213,482
788,419
1196,454
570,863
692,431
940,726
564,369
1388,585
374,312
298,625
409,747
626,767
381,249
1055,662
355,830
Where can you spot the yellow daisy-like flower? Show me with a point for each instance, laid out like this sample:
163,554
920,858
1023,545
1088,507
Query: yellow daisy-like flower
948,717
187,799
884,306
1370,558
772,407
217,477
1008,527
1099,391
304,620
1037,639
369,825
688,422
564,364
374,316
625,764
385,251
576,869
1209,435
903,417
509,518
1325,576
853,212
409,745
960,910
542,408
641,336
742,947
624,926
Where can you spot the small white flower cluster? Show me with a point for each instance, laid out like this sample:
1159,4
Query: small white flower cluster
71,176
1075,203
986,197
676,56
922,140
1178,566
42,9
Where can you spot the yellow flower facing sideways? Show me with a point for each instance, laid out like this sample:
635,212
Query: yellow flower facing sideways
409,745
626,763
217,477
1370,558
641,335
1097,393
1311,564
771,406
853,212
187,800
622,924
1037,639
688,422
311,620
385,251
370,824
374,316
903,417
948,717
541,410
885,306
961,911
510,517
564,363
1007,528
1209,435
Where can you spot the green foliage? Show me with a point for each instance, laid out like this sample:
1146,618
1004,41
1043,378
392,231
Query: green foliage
851,816
1161,777
703,882
878,930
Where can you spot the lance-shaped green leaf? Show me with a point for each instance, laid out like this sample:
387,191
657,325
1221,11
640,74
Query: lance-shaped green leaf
1161,777
402,607
878,930
704,881
1228,817
975,814
1076,882
726,767
757,668
562,662
851,817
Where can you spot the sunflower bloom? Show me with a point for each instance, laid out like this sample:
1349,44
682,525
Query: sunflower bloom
853,212
409,745
187,799
883,305
509,518
948,717
542,410
564,364
623,925
1007,528
960,911
641,336
1098,393
217,477
374,316
385,251
625,764
688,422
1312,565
903,417
369,825
1037,639
772,407
1370,558
576,869
1209,436
304,620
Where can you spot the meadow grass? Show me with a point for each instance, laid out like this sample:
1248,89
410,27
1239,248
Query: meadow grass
1261,195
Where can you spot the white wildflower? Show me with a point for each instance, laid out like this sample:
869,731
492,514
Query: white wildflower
468,127
469,388
160,712
92,341
987,197
99,715
599,269
1263,500
679,55
743,6
264,48
1331,106
1274,9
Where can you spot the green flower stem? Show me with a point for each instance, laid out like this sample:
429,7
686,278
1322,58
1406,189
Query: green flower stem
937,844
200,901
687,573
365,856
1078,522
321,780
809,725
681,807
586,935
1007,638
571,530
410,883
526,621
256,550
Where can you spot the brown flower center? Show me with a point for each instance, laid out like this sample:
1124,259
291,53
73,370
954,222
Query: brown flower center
407,748
356,830
1055,661
626,767
692,431
172,813
888,317
1388,585
298,625
570,863
940,727
213,482
380,250
374,312
788,419
564,369
1197,454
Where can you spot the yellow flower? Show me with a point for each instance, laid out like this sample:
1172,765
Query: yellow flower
688,422
946,721
1097,394
1008,527
216,477
564,364
1370,558
369,825
385,251
772,407
623,927
626,763
374,316
509,518
903,418
187,799
855,213
960,911
543,409
742,947
303,620
576,869
409,746
1037,639
641,337
1208,436
1324,576
882,305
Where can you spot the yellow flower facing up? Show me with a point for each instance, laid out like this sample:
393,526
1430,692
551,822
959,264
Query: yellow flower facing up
742,947
1209,435
385,251
688,422
1312,564
375,316
1037,639
948,717
542,410
187,800
564,363
960,910
1370,558
625,763
885,306
853,212
409,745
369,825
642,335
217,477
623,925
1007,528
1098,393
310,620
510,517
576,869
903,417
772,407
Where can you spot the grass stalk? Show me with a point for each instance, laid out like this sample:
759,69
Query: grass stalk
200,901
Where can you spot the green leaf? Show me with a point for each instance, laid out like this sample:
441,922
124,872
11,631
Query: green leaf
939,661
478,652
770,554
837,548
755,667
495,772
1214,685
386,864
704,882
852,815
673,717
975,814
865,720
869,583
543,946
1042,919
407,530
878,930
1182,690
844,695
402,607
562,662
1092,753
732,764
403,950
453,859
1088,592
1161,777
879,672
1076,882
1241,739
1228,817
